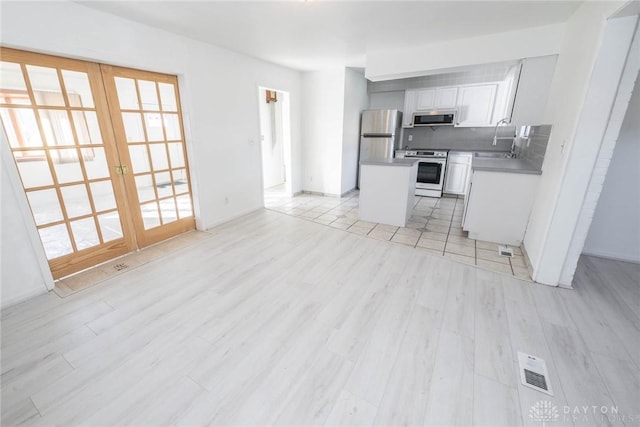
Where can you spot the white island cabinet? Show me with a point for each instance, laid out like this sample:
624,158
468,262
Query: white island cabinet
387,190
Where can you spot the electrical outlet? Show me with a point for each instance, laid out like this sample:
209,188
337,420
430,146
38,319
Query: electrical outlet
410,138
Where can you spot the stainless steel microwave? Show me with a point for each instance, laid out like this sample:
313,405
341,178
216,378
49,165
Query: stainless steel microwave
434,118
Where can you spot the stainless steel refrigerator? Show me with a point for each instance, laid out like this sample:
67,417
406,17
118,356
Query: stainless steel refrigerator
379,134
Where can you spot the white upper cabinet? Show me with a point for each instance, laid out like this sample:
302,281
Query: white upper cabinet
437,98
410,99
426,100
446,97
476,105
533,90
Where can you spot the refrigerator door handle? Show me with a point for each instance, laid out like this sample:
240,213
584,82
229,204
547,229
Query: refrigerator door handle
377,135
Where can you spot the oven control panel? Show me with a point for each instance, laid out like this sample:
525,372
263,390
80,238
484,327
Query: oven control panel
425,153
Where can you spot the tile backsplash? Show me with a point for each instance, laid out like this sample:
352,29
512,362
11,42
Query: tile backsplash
454,138
534,147
530,146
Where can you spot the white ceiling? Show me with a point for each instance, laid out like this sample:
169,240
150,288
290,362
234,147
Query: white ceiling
308,35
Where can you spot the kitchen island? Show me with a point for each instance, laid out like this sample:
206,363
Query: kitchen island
387,190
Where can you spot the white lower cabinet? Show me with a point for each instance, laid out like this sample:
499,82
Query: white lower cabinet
457,173
498,205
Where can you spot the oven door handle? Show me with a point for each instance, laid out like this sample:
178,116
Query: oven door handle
423,160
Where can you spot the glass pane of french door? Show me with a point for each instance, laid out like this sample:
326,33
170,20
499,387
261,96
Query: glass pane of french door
147,120
55,118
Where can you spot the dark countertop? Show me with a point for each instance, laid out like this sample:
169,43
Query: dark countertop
460,150
477,151
504,165
390,162
489,164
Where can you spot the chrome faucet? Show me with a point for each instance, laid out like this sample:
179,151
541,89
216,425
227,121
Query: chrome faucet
512,153
495,133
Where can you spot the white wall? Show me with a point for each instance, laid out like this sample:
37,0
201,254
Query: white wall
596,182
322,124
332,102
393,100
615,228
21,276
23,269
355,101
499,47
574,105
218,91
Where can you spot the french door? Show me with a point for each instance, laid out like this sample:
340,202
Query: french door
100,152
147,121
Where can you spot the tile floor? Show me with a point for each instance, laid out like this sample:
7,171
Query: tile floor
435,227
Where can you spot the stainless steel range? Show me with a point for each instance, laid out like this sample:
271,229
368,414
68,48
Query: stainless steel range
431,170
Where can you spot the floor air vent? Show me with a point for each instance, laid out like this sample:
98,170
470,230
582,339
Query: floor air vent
505,251
533,373
120,267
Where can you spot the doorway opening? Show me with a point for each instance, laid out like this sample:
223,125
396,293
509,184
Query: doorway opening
275,142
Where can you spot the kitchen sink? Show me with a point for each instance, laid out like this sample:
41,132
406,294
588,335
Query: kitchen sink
491,155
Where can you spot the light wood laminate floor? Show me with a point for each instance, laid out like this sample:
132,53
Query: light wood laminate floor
435,226
276,320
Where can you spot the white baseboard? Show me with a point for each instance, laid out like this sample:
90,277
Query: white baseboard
612,256
319,193
22,297
231,218
348,192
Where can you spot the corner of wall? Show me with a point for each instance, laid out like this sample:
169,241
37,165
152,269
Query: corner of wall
322,130
588,80
356,99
